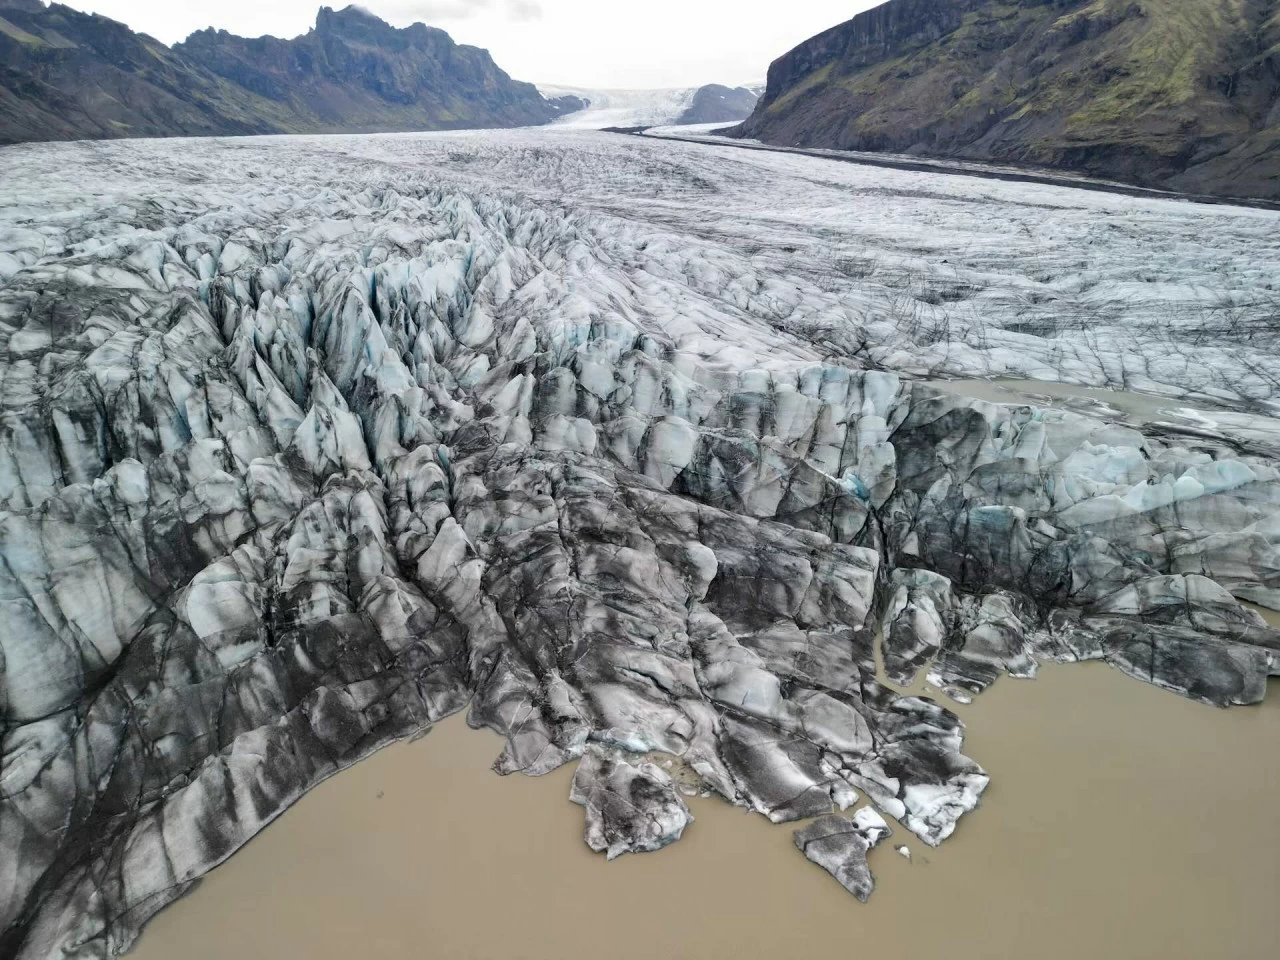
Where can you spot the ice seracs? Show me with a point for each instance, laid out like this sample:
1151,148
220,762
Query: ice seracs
306,444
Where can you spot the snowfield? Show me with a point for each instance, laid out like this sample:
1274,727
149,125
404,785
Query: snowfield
626,446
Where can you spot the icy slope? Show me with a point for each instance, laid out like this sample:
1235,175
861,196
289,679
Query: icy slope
307,443
622,108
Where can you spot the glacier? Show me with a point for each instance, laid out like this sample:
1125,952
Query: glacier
687,109
621,108
627,447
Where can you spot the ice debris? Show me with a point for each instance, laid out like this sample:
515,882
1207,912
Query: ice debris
839,845
631,808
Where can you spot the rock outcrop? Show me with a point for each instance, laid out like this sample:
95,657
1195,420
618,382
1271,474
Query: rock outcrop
719,104
1181,94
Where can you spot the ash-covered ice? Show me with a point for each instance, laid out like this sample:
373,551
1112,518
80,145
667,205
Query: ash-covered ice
308,443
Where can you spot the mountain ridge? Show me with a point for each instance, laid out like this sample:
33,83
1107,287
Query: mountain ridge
1177,94
353,63
65,74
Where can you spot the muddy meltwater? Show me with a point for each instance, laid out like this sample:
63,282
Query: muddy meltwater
1122,821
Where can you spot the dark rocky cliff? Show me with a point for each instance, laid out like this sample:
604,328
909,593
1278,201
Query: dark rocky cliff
868,38
1183,94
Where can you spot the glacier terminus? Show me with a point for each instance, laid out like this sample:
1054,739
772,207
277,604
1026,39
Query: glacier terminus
630,448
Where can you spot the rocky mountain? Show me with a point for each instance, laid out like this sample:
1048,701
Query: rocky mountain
357,73
65,74
718,104
1183,94
70,75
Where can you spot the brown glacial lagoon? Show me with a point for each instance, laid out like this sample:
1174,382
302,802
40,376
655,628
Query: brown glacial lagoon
1121,822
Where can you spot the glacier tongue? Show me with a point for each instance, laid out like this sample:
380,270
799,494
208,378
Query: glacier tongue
309,443
622,108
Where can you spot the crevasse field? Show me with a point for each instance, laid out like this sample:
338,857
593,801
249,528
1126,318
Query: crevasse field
625,446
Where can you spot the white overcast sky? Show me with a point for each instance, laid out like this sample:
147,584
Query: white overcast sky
588,43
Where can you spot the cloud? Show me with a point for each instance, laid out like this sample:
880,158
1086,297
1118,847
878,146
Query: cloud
524,10
436,11
432,11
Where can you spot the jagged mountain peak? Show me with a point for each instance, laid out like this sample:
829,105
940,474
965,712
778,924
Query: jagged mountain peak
358,25
355,22
351,13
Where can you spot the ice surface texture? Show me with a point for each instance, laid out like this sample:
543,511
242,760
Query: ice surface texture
308,443
839,845
631,808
